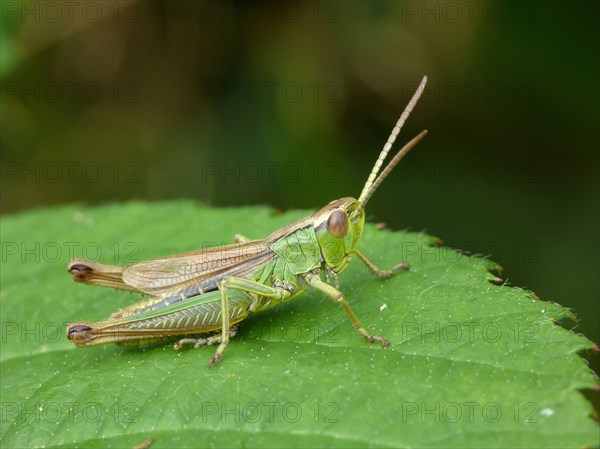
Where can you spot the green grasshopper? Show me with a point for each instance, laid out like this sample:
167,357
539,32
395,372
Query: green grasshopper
212,290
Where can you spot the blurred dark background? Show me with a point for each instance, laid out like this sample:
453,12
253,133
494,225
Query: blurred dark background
287,104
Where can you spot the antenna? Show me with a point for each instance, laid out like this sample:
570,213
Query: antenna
373,182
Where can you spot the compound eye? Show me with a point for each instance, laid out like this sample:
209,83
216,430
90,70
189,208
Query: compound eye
356,215
337,224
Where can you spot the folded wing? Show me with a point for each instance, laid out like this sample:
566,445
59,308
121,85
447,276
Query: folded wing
196,272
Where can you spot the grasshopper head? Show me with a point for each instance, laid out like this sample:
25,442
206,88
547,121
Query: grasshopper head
339,227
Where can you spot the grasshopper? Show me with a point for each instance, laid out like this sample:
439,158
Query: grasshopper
212,290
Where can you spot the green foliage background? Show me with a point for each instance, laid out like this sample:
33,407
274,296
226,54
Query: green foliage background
472,364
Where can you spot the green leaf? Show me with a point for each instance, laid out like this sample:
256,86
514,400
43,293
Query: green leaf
471,363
